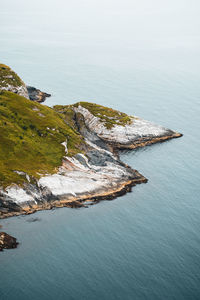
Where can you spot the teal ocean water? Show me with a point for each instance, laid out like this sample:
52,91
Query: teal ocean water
141,57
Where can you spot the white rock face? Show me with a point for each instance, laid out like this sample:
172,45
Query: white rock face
20,90
65,145
121,134
82,179
18,195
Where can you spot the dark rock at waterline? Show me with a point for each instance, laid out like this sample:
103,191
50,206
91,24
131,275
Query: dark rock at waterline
7,241
36,94
75,204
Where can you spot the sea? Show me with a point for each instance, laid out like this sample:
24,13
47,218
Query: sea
142,58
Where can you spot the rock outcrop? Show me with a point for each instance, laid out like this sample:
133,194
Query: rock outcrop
7,241
37,95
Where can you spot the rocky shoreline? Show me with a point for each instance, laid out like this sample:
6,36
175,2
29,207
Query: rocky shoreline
78,202
81,201
87,199
143,143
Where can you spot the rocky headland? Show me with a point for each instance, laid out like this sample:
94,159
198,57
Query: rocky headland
65,155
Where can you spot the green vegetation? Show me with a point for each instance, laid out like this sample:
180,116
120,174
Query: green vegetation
30,139
108,116
67,113
9,77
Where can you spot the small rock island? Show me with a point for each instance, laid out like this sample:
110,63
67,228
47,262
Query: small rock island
66,155
7,241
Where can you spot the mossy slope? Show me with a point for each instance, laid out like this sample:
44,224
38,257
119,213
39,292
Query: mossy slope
68,114
30,139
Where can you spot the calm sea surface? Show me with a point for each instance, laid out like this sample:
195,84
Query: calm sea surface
143,58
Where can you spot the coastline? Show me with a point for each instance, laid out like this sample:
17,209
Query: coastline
78,162
81,201
143,143
85,199
95,197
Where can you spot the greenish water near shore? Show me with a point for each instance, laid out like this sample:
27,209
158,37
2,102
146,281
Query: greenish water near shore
143,59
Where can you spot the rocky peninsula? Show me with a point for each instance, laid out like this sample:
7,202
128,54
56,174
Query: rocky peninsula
65,155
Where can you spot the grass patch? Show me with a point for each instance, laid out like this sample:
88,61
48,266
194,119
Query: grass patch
67,113
30,139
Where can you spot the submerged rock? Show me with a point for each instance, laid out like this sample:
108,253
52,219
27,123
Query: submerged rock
7,241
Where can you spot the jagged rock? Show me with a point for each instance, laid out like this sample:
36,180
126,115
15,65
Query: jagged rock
7,241
36,94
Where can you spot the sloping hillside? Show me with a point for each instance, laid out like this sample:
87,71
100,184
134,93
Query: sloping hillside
31,137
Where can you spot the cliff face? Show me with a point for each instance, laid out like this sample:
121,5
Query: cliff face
66,156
